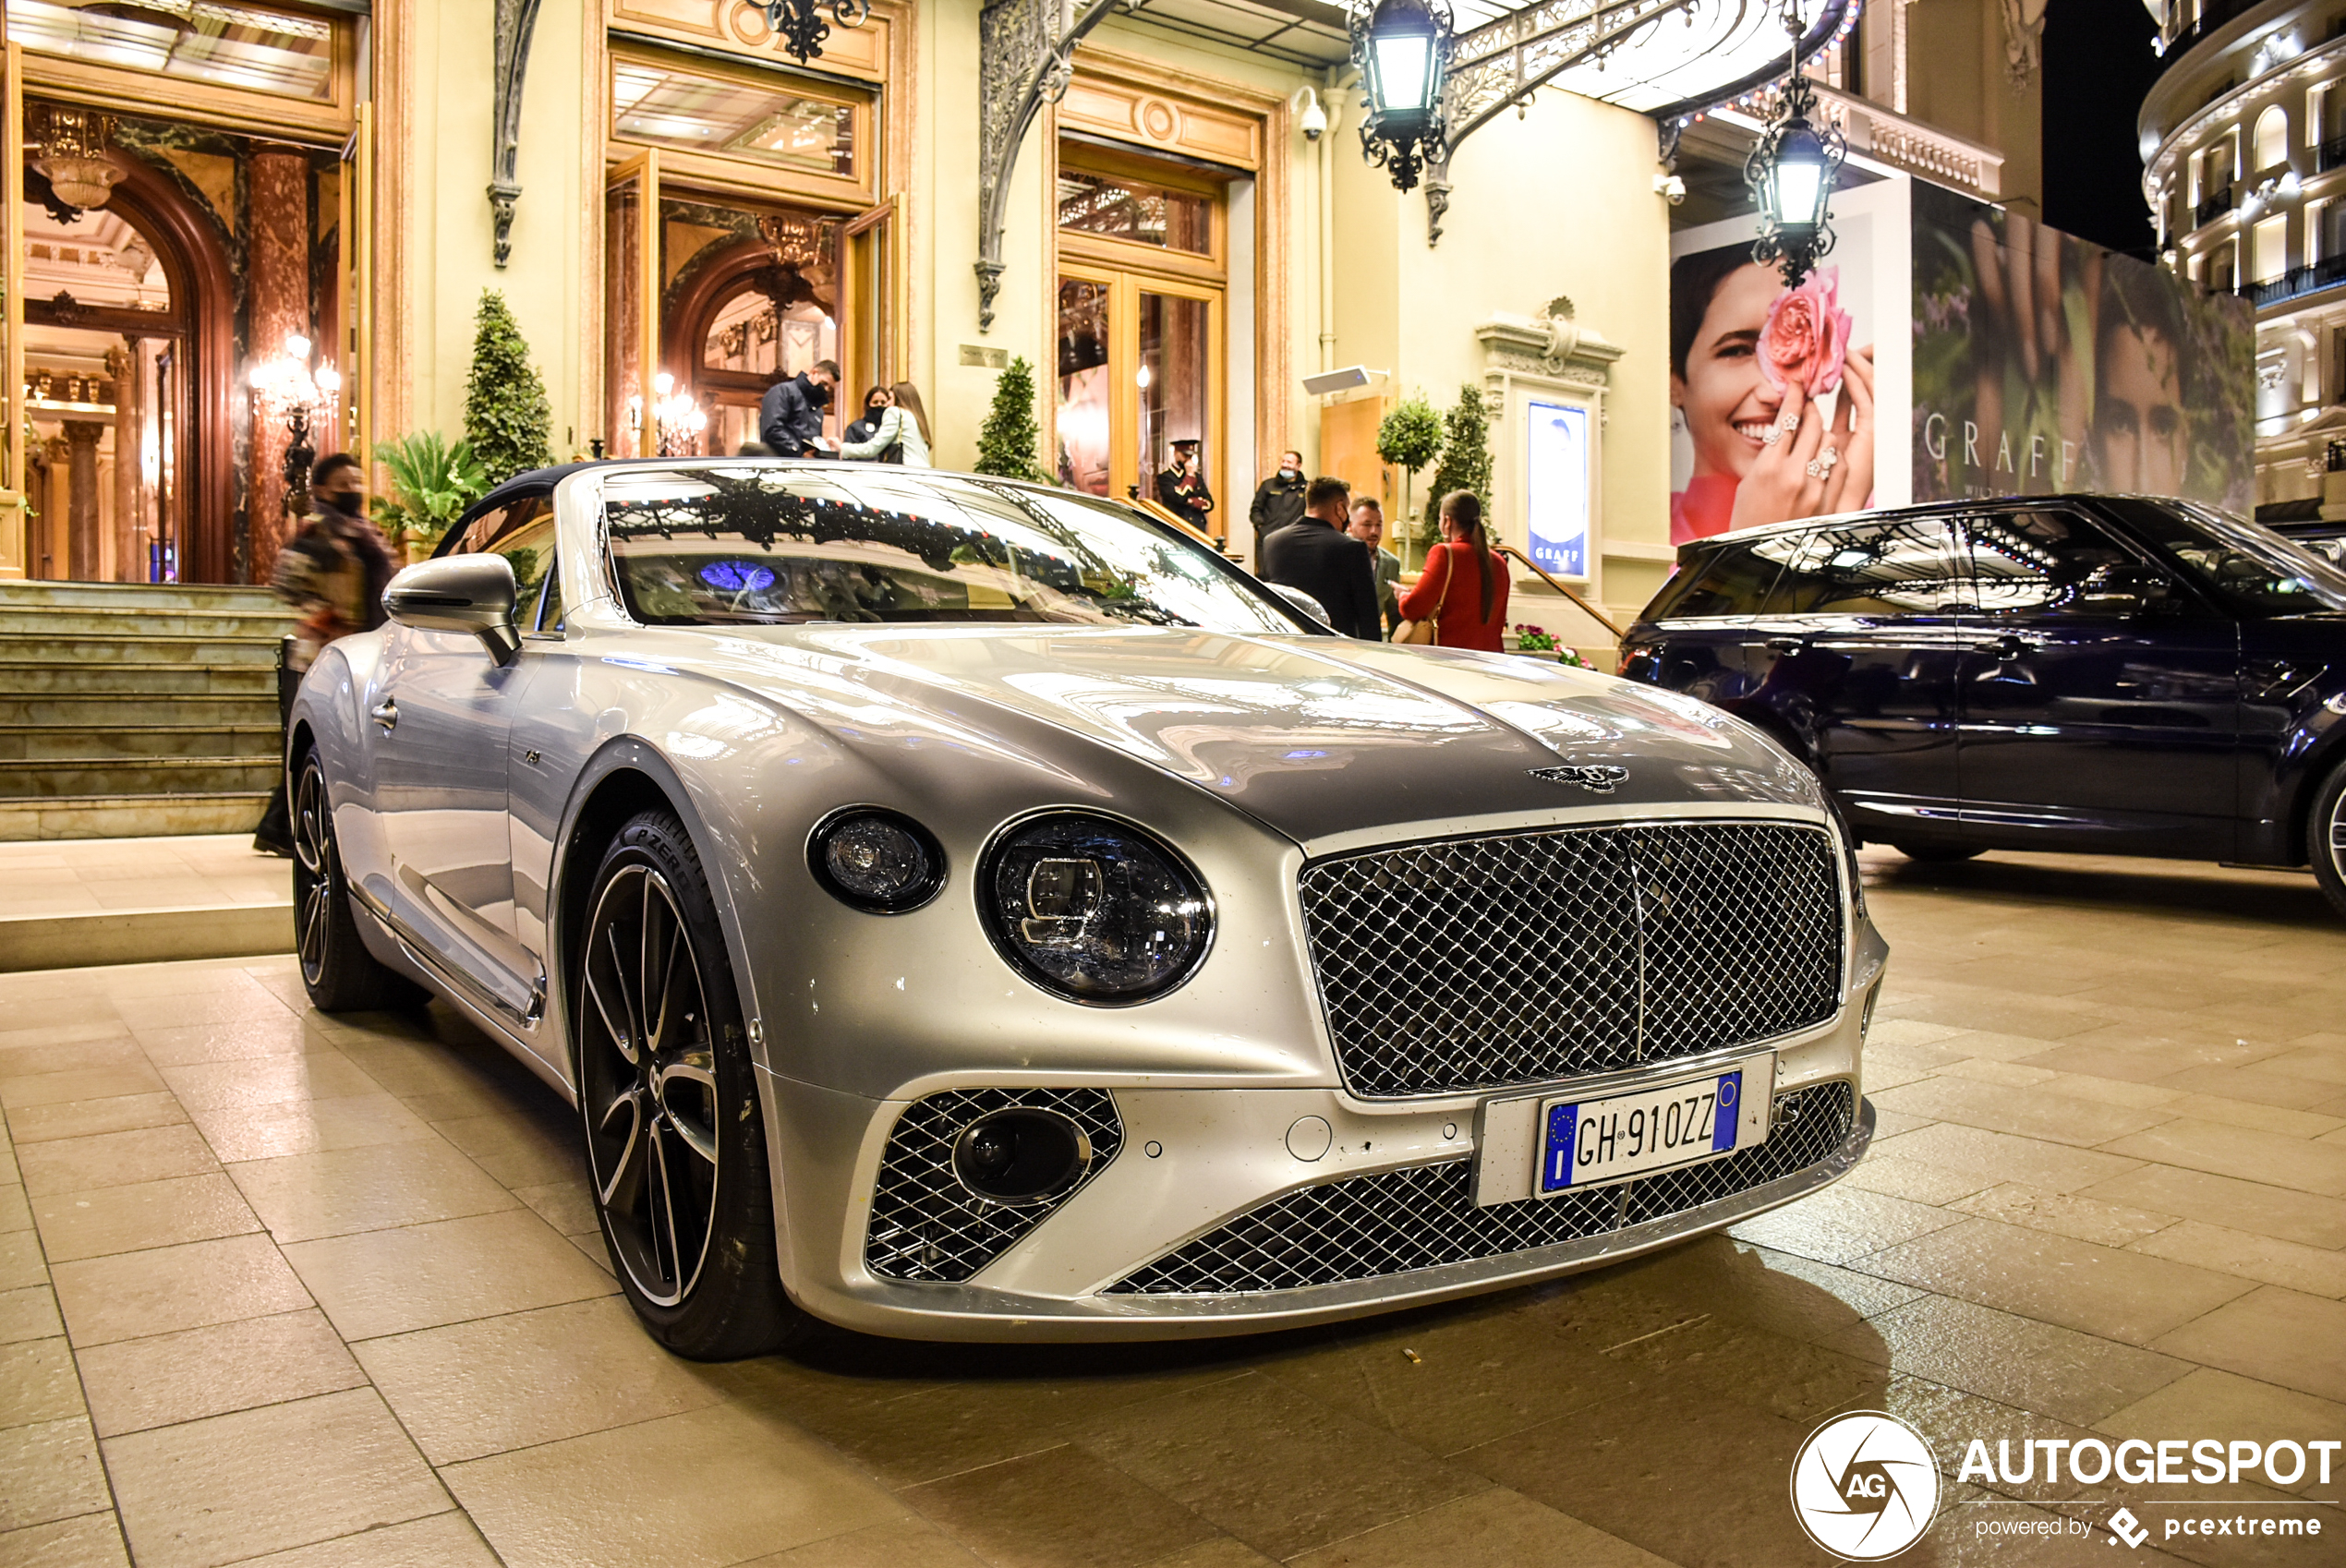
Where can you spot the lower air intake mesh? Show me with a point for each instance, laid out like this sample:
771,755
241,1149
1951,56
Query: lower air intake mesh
1421,1217
925,1224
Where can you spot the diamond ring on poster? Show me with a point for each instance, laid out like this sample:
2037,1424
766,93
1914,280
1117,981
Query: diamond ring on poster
1615,1128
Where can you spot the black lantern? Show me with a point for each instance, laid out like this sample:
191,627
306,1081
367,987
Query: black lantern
1791,175
1403,50
800,24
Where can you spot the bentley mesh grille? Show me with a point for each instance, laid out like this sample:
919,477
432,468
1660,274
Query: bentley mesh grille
925,1224
1421,1217
1476,964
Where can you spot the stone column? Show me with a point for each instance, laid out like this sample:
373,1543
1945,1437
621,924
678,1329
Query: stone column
130,537
278,293
82,507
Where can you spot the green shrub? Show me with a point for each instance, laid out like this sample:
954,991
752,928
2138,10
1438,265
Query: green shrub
507,418
1407,439
1010,441
431,483
1466,455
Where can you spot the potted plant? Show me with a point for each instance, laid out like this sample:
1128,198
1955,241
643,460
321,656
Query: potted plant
431,483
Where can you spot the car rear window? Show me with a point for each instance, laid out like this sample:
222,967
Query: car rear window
1894,566
1729,580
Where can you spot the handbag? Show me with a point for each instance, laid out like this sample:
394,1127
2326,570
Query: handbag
894,451
1424,633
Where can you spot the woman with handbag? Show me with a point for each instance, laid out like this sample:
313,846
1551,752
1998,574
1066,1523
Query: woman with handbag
901,433
1460,599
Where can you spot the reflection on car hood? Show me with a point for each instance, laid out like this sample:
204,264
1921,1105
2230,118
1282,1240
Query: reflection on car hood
1313,736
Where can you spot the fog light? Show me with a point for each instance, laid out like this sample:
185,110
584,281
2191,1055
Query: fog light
877,861
1021,1155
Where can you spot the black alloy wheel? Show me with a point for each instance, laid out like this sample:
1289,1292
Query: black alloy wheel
2325,837
675,1143
337,970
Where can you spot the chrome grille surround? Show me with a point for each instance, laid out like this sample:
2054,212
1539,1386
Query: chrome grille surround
1423,1216
924,1224
1468,964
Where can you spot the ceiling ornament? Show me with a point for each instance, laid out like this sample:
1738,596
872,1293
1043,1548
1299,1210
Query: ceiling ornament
70,147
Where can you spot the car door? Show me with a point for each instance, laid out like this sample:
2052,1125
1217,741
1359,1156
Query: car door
442,713
1866,630
2101,708
1704,638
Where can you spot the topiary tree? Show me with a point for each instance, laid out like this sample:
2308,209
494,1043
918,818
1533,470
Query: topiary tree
1008,444
1466,455
507,418
1407,439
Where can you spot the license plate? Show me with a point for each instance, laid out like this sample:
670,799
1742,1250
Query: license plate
1589,1142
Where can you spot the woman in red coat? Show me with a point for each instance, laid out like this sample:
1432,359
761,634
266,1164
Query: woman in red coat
1464,579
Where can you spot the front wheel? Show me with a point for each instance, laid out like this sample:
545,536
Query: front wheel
1938,854
2325,837
675,1140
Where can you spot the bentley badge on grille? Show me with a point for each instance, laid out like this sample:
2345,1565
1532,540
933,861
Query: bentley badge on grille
1598,779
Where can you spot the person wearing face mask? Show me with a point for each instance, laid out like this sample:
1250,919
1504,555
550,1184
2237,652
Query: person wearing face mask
790,416
334,572
876,403
1278,501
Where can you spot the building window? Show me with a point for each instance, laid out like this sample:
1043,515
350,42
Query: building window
1136,210
786,125
2272,137
241,45
2272,248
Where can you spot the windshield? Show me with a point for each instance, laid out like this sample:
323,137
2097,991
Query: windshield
727,544
2261,573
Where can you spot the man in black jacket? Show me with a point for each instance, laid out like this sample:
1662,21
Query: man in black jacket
1316,555
1278,501
790,416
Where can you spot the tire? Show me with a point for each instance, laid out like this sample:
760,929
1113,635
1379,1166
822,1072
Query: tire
2325,837
675,1139
337,970
1938,854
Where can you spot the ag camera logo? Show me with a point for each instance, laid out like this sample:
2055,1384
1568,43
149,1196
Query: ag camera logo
1865,1486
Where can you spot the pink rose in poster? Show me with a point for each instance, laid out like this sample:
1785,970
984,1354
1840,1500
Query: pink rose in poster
1805,336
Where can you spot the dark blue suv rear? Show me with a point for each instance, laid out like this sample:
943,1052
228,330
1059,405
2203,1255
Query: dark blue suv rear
2087,674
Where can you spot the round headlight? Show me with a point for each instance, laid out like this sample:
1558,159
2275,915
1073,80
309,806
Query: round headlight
1093,910
876,860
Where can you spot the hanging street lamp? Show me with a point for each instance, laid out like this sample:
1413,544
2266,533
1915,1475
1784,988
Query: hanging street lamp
800,24
1791,175
1403,48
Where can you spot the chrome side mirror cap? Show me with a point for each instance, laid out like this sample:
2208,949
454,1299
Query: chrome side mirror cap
1305,602
473,594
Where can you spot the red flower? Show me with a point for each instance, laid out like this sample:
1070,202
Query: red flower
1806,335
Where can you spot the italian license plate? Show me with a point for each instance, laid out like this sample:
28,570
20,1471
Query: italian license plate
1589,1142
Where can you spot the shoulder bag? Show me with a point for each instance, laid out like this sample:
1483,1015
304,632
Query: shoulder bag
1424,632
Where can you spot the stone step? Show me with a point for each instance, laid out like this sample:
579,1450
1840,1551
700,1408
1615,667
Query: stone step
71,778
147,677
145,937
140,597
136,647
107,710
73,620
78,744
131,816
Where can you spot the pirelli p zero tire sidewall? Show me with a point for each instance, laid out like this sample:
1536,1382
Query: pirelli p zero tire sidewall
2326,836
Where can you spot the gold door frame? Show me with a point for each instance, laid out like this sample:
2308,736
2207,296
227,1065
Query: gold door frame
13,562
1125,287
642,166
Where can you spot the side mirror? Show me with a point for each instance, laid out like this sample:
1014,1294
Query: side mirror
2127,590
1305,602
459,593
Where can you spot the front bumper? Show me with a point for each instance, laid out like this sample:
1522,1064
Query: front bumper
1194,1160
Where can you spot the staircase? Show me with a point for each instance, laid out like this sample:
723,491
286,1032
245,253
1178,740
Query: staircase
128,711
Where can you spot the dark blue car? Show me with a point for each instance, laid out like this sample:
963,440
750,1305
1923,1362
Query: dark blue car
2094,674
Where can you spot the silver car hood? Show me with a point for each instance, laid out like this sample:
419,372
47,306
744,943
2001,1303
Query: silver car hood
1315,737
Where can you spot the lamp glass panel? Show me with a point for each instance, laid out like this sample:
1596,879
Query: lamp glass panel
1799,191
1403,71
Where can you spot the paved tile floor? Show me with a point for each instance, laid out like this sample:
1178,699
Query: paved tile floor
280,1287
53,877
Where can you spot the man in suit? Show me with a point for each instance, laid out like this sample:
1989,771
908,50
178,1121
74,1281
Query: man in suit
1278,501
790,416
1315,554
1368,527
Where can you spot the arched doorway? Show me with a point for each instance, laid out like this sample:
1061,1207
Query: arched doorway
747,308
129,356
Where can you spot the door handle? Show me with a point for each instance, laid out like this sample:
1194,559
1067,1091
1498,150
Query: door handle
2011,645
386,713
1785,644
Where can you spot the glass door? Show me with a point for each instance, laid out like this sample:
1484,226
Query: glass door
631,305
1138,382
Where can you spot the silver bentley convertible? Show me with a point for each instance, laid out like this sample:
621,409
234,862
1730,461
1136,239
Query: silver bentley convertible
967,910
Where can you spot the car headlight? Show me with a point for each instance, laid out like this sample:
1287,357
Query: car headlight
1093,909
877,861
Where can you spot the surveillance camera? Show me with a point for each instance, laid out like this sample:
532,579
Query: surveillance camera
1314,120
1670,185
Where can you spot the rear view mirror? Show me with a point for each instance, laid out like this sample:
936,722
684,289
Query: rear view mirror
1302,601
471,594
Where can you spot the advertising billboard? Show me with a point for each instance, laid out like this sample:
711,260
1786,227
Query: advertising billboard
1556,451
2043,361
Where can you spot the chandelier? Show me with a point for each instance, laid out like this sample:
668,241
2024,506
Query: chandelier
71,143
800,24
1791,175
678,419
1403,48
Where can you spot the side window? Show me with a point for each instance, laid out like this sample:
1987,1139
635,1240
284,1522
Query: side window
530,549
474,537
491,529
549,607
1900,566
1733,580
2041,562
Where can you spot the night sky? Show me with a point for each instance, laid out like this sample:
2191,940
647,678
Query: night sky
2098,66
